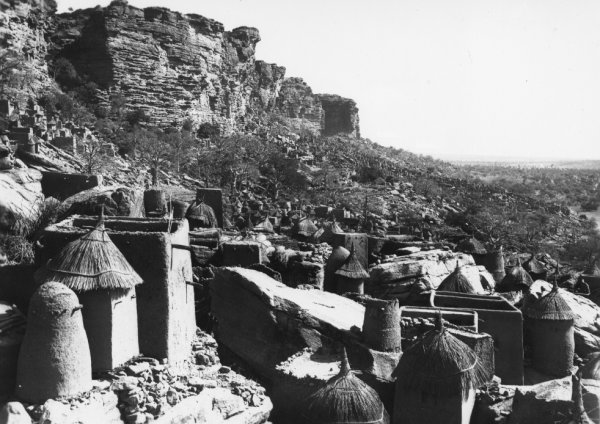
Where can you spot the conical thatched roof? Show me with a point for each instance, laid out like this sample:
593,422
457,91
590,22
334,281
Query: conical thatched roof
534,266
91,262
200,211
471,246
306,227
439,364
264,226
329,231
457,281
551,307
345,398
516,279
352,268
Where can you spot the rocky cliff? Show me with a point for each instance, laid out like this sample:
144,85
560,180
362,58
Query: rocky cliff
23,48
177,66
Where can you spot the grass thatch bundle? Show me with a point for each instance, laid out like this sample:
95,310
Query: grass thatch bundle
306,227
92,262
472,246
264,226
439,365
352,268
202,214
457,281
551,307
517,279
345,399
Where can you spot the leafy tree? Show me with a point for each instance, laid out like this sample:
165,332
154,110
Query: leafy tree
154,151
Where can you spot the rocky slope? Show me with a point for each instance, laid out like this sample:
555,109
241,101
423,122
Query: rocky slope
176,66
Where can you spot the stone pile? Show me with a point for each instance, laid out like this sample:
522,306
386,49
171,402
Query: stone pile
148,389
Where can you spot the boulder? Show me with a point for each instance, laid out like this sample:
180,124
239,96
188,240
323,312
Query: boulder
21,198
14,413
117,201
395,279
265,322
546,402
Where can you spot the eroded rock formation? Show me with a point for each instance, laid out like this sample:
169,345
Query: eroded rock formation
176,66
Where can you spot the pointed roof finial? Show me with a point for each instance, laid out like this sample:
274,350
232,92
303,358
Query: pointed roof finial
439,324
345,365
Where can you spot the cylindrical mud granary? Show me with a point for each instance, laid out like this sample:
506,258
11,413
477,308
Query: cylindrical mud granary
495,265
338,256
549,323
155,202
351,276
54,360
179,208
381,325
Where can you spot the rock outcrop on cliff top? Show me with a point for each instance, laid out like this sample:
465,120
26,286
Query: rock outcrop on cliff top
177,66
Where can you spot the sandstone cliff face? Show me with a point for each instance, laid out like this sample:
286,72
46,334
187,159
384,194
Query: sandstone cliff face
22,28
176,66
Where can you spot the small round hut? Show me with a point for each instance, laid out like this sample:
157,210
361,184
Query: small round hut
436,380
329,232
155,202
345,399
351,276
54,359
179,208
264,226
549,325
305,227
535,268
94,268
517,279
338,256
495,264
200,215
381,325
457,281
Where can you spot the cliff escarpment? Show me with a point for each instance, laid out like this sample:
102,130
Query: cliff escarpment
176,66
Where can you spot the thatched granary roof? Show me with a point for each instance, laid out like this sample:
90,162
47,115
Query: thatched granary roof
264,226
516,279
551,307
440,365
457,281
471,246
345,398
352,268
91,262
329,231
200,211
306,227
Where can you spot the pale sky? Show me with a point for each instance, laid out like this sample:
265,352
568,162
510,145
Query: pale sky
463,77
